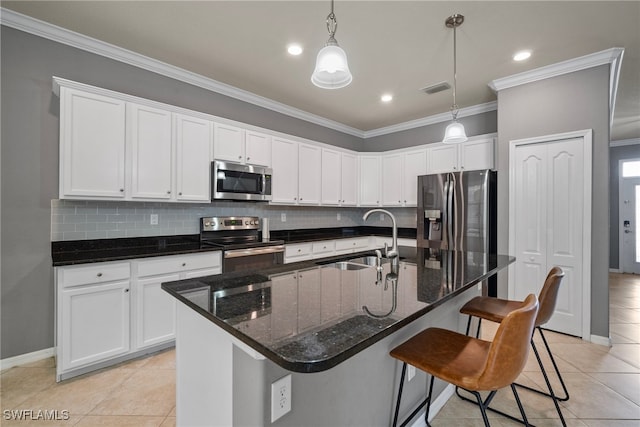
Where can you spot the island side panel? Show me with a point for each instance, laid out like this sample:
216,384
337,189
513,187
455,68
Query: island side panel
204,380
361,391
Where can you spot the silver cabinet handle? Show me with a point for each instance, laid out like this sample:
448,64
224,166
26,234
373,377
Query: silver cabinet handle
248,158
99,274
122,190
180,193
184,264
126,290
239,157
168,191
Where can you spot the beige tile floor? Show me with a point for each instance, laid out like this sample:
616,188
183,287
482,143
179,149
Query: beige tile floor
604,383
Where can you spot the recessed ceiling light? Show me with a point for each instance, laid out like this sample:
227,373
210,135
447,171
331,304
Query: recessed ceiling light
386,97
294,49
522,55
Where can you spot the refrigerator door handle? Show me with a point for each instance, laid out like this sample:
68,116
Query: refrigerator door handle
445,216
451,244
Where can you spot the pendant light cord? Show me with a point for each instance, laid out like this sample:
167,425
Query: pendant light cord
454,108
332,24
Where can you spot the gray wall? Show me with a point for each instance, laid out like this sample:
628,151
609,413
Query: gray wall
615,155
479,124
570,102
29,172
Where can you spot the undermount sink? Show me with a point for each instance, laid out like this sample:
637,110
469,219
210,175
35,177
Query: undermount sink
347,265
369,260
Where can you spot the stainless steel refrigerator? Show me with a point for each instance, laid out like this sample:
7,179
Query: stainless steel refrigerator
457,211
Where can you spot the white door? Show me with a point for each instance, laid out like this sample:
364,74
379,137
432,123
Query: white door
284,161
349,180
331,178
548,225
309,174
228,143
630,221
415,164
392,180
258,148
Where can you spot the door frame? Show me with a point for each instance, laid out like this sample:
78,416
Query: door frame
587,138
620,220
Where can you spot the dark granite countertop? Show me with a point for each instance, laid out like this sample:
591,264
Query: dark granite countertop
101,250
310,316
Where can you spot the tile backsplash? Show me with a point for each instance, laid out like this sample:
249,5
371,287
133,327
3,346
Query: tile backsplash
86,219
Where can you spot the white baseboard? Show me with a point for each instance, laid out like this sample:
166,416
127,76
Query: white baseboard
596,339
21,359
615,270
436,406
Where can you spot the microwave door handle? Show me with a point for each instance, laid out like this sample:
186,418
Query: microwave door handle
264,183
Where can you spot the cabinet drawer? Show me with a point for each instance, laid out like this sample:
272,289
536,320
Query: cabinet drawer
324,248
94,273
298,252
357,243
176,263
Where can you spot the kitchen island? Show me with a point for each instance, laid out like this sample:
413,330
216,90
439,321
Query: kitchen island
329,324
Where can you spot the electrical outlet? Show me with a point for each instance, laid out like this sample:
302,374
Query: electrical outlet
338,216
153,219
280,397
283,217
411,372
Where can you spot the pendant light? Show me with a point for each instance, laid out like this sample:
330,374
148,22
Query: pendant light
455,132
332,70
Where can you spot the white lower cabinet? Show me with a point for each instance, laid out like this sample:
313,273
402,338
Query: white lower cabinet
108,311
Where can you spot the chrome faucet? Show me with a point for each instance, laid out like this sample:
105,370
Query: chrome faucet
392,253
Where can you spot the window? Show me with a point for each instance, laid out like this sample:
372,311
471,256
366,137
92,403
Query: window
631,169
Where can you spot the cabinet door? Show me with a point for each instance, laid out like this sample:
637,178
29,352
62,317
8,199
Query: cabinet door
349,180
477,155
309,174
156,311
284,302
228,143
369,180
284,160
94,324
331,177
258,148
392,180
415,164
309,288
92,146
151,152
442,158
193,154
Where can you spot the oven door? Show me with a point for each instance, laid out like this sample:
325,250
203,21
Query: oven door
252,258
240,182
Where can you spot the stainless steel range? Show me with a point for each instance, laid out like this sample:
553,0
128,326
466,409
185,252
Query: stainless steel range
241,243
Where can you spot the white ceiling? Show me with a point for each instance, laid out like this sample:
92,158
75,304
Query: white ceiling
393,46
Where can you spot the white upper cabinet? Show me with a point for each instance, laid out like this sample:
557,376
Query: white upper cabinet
193,154
309,174
284,159
400,173
257,148
331,177
349,180
228,143
475,154
392,180
369,166
414,165
151,145
92,146
238,145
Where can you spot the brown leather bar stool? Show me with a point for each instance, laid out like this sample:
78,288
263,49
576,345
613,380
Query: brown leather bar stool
496,310
471,363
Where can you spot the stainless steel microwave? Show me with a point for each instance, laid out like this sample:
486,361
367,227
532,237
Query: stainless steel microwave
235,181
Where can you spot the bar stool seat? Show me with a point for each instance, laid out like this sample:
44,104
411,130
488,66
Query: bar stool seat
471,363
496,310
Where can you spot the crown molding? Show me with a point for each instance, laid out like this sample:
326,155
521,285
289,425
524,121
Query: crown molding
609,56
437,118
61,35
49,31
624,142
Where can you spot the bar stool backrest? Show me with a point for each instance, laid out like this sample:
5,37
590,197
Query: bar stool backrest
510,347
549,295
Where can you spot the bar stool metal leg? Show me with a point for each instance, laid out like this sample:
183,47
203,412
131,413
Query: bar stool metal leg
555,367
427,401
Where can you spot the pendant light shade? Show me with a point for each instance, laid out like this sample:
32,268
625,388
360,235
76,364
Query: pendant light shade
454,133
332,69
